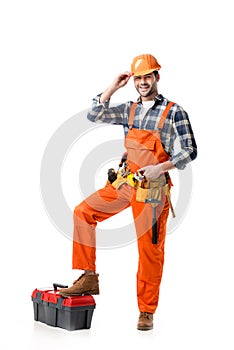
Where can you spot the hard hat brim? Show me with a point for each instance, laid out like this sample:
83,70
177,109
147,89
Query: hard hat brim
144,72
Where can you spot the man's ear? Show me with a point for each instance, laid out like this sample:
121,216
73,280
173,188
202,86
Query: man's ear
157,77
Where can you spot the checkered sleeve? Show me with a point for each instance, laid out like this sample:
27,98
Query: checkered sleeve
104,113
184,132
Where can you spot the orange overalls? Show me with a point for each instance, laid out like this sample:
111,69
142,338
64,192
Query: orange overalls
144,148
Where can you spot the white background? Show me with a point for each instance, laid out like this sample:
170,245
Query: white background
55,56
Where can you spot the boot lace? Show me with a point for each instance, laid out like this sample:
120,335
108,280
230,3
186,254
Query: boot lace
146,315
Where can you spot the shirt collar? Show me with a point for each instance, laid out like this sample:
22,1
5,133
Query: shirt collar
158,98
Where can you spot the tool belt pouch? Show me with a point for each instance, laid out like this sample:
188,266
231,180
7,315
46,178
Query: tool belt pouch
153,192
119,182
123,180
142,194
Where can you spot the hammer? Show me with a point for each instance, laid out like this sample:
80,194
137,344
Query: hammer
153,202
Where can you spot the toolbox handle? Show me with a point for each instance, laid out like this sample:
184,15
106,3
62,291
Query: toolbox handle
58,285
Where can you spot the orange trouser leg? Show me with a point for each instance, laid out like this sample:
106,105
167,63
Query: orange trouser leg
151,256
106,203
99,206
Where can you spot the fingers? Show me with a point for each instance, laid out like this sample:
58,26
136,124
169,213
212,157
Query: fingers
127,73
121,80
124,77
143,169
151,171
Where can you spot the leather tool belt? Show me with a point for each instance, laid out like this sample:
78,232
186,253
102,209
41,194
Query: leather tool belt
147,190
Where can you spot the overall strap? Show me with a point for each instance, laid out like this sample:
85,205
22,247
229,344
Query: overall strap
132,114
161,121
164,115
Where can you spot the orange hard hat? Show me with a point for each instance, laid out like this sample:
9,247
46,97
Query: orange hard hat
144,64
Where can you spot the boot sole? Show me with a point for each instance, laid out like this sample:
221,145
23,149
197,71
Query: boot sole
92,292
144,328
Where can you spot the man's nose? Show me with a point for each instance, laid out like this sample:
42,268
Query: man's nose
142,81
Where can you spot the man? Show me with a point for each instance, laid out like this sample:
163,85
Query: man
151,126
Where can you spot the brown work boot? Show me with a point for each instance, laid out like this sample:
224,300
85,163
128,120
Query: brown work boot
145,322
85,284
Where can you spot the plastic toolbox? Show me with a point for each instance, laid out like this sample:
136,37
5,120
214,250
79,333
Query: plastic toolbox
70,313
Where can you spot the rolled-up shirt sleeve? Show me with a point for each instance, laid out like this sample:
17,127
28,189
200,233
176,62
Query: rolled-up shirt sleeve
184,132
104,113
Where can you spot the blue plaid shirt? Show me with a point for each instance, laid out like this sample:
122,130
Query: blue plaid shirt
177,125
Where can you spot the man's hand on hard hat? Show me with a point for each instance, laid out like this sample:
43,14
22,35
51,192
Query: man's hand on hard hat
155,171
119,82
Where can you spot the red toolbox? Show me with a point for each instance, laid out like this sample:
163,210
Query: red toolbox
70,313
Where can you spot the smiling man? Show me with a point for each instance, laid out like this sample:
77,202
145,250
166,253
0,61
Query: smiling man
146,85
151,126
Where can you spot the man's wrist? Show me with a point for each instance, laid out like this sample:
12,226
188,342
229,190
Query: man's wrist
106,95
167,166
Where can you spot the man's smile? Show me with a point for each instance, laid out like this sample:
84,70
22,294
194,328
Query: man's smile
144,88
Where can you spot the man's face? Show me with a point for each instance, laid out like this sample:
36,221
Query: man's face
146,85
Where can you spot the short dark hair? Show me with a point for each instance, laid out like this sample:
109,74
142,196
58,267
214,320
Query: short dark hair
155,72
